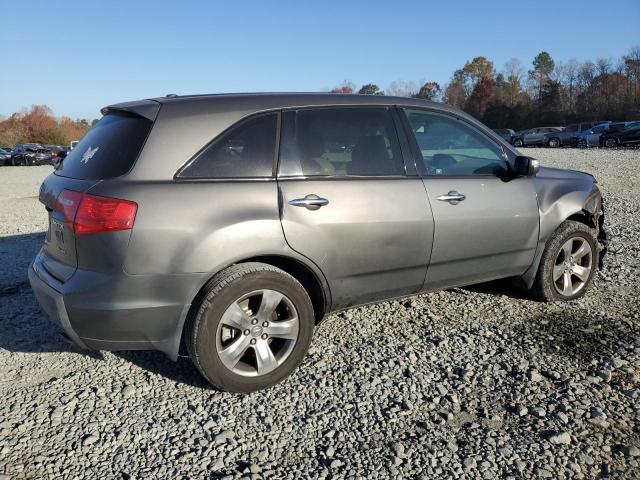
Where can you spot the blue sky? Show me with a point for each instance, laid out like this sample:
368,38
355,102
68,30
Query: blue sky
79,56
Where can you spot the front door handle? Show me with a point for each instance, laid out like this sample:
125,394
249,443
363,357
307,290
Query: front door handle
452,197
311,202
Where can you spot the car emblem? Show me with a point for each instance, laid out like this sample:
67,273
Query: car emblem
88,155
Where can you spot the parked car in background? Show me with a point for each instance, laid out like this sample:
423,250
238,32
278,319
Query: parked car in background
591,136
428,199
58,153
533,136
506,133
629,134
5,157
568,136
30,154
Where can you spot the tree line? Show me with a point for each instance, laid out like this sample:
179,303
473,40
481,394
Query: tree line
38,125
549,93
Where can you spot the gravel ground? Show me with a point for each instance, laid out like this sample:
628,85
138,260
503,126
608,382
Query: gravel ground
478,382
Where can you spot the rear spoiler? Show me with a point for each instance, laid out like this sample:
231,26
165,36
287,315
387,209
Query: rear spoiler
145,108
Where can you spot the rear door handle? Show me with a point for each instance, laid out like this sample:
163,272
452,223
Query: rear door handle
452,197
311,202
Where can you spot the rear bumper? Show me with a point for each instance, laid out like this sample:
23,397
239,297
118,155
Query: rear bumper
52,303
117,311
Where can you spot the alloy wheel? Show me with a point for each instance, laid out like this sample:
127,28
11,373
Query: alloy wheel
573,266
257,333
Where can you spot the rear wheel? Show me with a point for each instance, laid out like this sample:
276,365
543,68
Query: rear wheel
568,263
252,328
611,142
553,142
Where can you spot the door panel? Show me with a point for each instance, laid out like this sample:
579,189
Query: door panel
372,240
492,233
534,137
486,220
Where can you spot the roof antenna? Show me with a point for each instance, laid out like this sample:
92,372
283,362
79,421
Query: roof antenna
171,95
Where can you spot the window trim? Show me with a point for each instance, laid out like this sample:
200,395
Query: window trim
417,153
278,112
397,128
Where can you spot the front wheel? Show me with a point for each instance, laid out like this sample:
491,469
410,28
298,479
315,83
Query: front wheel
611,142
252,328
518,143
568,264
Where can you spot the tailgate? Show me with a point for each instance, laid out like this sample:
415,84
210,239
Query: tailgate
107,151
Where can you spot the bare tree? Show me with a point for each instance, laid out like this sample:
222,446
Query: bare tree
603,65
632,70
402,88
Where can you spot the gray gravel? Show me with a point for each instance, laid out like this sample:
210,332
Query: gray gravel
478,382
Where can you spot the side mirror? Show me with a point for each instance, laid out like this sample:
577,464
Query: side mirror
526,166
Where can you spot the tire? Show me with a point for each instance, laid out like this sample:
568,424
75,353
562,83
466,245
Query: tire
552,262
611,142
518,143
553,142
230,314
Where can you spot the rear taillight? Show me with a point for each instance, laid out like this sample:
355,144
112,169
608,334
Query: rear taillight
87,214
67,203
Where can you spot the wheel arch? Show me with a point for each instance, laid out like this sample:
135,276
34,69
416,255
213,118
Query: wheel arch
313,282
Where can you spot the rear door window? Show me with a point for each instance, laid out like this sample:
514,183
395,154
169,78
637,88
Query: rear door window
340,142
109,149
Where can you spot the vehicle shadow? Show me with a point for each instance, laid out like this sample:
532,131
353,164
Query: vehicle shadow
505,286
24,327
579,335
182,371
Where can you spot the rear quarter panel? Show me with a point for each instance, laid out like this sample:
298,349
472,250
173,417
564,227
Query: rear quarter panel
186,227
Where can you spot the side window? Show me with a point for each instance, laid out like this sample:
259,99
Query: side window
247,150
340,141
451,147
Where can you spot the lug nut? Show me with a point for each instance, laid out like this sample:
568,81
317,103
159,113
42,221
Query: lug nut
254,321
247,332
253,341
264,336
265,324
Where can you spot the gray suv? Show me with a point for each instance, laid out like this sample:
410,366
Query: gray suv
228,226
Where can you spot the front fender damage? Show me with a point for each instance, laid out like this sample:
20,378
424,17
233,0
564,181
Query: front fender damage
575,197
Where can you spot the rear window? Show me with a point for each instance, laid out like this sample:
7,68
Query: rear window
109,149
